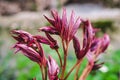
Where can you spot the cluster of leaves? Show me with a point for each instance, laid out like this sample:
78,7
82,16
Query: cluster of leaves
91,48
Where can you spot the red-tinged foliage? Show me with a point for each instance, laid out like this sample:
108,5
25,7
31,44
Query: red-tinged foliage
91,47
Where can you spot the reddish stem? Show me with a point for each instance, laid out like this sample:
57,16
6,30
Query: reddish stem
77,63
86,71
59,57
65,48
42,71
77,70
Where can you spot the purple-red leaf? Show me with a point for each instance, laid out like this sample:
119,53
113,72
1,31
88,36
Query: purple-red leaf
75,27
53,42
22,36
54,14
95,44
76,45
65,30
50,21
97,66
29,52
42,39
105,42
49,29
53,69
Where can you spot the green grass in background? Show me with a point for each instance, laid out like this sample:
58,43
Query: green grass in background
104,25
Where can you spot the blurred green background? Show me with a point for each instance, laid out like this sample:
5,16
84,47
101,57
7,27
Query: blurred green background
28,15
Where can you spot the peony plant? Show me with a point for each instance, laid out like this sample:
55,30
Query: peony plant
90,48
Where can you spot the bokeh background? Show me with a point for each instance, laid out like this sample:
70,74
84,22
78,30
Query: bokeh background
28,15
